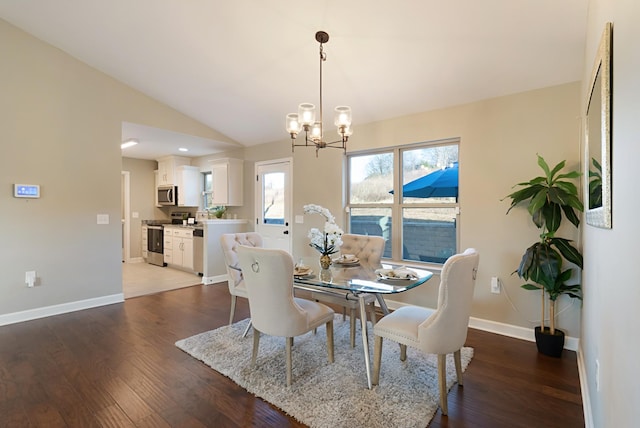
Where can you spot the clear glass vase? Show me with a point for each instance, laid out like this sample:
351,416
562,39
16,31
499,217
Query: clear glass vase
325,261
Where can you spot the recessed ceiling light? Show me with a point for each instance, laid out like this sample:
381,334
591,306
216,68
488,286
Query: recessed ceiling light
129,143
183,149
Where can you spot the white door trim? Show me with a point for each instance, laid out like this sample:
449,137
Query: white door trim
126,217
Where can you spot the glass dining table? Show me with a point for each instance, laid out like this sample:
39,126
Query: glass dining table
357,281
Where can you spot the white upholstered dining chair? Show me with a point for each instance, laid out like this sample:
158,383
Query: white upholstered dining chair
441,331
230,243
268,275
368,249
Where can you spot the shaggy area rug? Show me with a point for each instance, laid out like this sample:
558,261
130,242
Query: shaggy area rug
324,394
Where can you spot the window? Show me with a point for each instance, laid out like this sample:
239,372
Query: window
409,196
273,202
207,186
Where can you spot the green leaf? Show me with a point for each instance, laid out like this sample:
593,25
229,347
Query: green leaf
570,188
538,219
538,201
571,174
543,165
570,214
567,250
531,287
552,217
555,170
545,265
522,195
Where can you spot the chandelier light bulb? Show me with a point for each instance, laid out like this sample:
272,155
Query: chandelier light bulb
293,125
307,114
342,116
316,131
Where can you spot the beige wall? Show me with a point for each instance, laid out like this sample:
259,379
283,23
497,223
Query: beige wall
60,127
611,292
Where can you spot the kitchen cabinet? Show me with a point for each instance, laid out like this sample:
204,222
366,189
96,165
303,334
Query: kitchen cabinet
167,169
188,182
226,182
144,240
178,247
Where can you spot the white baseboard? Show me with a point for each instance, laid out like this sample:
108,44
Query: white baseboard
208,280
63,308
570,343
584,389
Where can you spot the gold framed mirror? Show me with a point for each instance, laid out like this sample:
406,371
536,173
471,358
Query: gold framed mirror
598,137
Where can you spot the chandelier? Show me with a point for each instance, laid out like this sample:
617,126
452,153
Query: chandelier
305,119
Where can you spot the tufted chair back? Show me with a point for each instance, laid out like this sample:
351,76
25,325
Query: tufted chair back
367,248
230,243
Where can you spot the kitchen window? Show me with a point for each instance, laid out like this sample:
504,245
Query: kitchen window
409,196
207,185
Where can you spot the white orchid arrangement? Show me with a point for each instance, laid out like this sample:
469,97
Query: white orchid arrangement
329,240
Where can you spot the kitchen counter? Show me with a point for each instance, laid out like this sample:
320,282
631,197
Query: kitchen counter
215,268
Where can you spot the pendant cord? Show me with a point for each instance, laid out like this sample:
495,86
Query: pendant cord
323,57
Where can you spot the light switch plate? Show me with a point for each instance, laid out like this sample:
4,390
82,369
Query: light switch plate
103,219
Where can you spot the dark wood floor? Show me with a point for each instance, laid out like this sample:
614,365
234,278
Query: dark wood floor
117,366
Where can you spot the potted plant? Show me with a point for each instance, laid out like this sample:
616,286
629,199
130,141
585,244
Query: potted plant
550,198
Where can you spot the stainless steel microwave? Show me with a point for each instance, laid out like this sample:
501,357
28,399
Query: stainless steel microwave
167,195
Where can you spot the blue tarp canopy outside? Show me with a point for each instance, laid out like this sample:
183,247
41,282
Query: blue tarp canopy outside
441,183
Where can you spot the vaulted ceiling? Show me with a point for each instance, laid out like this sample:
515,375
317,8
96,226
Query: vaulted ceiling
241,66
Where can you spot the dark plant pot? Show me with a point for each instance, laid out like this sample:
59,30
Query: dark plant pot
548,344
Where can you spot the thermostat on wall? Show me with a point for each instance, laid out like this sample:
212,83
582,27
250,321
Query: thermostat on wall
26,191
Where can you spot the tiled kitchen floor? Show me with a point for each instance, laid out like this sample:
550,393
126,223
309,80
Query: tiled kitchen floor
139,279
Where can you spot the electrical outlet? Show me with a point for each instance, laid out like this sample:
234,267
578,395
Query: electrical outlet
30,278
495,285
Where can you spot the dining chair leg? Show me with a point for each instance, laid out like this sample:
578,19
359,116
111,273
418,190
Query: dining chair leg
458,361
233,309
377,356
403,352
289,362
246,330
442,381
372,313
256,342
329,328
352,327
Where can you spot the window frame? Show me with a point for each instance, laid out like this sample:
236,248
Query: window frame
397,205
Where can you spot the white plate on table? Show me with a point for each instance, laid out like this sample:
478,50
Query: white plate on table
390,274
343,261
305,272
394,278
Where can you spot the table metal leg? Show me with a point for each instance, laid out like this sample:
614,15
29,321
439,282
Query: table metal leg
365,341
383,304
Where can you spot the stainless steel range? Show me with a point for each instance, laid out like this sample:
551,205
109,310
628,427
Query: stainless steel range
155,245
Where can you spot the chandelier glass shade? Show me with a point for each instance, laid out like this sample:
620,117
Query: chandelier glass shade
305,120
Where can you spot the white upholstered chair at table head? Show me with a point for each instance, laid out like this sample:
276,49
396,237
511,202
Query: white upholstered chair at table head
230,243
368,249
268,275
441,331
